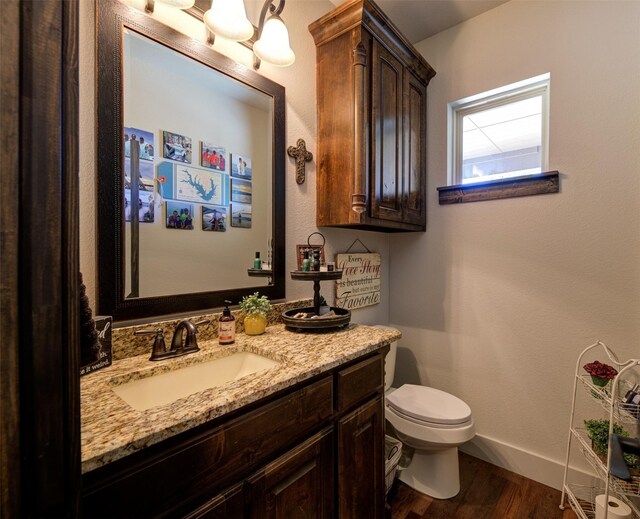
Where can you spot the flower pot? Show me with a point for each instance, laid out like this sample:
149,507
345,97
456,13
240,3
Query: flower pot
255,324
598,381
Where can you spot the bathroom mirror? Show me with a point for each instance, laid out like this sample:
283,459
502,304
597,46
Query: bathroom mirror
204,137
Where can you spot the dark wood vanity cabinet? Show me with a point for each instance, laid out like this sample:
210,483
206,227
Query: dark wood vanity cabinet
372,102
314,450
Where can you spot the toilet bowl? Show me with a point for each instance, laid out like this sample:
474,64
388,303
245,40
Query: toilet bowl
433,423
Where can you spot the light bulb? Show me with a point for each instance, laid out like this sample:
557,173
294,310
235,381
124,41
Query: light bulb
273,45
228,18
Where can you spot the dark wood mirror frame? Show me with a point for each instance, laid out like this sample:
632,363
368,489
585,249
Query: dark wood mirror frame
112,18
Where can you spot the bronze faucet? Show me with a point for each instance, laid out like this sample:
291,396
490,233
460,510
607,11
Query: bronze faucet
178,346
190,345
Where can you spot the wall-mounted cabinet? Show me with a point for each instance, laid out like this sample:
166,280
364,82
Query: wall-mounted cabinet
372,125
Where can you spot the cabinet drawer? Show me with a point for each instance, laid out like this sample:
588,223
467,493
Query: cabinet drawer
359,381
211,460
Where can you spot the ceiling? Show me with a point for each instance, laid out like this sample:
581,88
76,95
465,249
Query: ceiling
419,19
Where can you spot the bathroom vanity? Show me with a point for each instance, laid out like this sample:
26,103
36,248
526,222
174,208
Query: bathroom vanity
304,438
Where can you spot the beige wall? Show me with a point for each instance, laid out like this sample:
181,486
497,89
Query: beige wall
299,81
497,299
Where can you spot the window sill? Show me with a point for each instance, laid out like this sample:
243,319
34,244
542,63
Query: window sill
540,184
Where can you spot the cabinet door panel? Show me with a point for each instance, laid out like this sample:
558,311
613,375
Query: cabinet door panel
299,484
361,489
386,85
415,133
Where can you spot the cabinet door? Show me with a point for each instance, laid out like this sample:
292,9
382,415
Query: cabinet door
226,505
361,489
415,144
386,136
297,485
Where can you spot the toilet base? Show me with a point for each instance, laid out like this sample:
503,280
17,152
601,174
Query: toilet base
434,473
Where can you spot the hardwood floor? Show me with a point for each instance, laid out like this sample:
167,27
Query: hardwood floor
487,492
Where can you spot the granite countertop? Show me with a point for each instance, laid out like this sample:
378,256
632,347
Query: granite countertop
111,429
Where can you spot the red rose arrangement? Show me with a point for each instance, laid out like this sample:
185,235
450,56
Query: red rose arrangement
600,370
600,373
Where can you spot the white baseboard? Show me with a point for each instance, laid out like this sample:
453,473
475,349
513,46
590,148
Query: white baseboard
533,466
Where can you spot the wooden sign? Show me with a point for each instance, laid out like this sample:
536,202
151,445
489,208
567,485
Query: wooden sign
360,283
102,356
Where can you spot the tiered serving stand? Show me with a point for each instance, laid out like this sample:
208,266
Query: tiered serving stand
341,319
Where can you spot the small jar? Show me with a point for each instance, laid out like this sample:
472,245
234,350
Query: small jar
306,262
315,266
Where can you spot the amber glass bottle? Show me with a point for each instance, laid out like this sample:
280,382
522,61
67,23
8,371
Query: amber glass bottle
226,326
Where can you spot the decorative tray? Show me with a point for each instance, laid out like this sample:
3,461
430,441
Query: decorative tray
307,324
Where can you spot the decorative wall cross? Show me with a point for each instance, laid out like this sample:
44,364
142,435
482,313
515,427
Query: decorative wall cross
301,155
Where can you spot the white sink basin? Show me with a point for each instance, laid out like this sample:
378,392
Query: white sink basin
164,388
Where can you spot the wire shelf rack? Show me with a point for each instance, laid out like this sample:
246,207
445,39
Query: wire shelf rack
622,412
612,399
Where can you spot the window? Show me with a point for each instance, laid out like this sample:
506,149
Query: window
500,134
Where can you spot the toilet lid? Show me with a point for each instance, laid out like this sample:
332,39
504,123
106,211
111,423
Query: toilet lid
429,405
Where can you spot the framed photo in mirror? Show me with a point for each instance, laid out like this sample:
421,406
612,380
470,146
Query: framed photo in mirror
241,191
212,156
176,147
214,218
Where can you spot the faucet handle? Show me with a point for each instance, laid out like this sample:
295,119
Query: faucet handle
159,350
203,321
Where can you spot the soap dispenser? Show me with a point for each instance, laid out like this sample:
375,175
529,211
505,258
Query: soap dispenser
257,262
226,326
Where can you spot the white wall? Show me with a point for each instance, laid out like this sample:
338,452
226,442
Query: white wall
497,298
299,81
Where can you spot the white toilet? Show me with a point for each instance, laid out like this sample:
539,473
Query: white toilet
432,422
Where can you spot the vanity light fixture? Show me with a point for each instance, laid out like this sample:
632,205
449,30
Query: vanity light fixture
228,18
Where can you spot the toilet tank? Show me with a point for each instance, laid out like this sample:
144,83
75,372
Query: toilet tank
390,365
389,362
